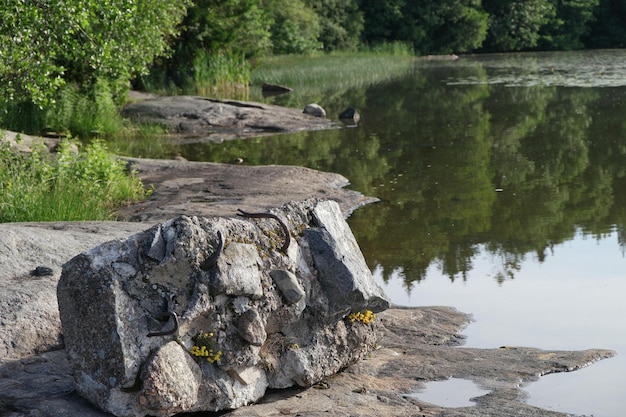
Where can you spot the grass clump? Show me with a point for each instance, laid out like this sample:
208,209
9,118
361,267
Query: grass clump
345,69
85,185
85,113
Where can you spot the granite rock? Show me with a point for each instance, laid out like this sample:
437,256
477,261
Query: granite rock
186,316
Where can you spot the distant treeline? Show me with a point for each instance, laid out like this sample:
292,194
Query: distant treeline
197,44
429,26
251,28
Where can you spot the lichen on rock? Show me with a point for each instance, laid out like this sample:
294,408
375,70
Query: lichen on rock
132,311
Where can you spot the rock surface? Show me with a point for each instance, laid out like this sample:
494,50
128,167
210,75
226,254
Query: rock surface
237,334
210,189
29,314
221,119
416,345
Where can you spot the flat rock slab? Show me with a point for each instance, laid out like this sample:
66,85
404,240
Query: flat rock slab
221,119
29,314
417,345
210,189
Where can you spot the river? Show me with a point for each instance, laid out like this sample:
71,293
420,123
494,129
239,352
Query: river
502,181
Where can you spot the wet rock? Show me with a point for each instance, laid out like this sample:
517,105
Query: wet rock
270,90
222,119
238,333
350,115
314,110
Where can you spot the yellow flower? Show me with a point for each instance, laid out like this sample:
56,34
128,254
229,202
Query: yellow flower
366,317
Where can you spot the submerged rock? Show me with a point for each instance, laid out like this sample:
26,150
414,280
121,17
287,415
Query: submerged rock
205,314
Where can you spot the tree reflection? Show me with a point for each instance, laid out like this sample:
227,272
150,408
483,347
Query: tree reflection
512,171
465,168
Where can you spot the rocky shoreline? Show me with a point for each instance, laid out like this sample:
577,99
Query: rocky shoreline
416,345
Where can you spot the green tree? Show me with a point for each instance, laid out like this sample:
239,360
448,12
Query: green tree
515,25
214,25
45,43
571,24
608,29
296,27
383,19
216,40
432,27
341,23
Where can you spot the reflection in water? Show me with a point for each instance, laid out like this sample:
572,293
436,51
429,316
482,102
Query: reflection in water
572,300
453,392
506,158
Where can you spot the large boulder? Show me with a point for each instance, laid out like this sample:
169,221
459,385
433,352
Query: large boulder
205,314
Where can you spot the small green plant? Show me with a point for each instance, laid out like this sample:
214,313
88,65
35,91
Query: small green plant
203,347
89,184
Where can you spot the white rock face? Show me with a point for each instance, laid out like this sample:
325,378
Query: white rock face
205,314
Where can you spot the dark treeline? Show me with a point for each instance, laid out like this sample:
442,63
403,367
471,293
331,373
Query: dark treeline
429,26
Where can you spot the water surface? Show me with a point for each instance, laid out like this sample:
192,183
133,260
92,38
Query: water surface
503,188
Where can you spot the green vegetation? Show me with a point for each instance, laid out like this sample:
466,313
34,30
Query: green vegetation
46,44
331,75
86,185
66,65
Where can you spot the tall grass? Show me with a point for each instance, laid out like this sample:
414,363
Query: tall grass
82,113
221,74
335,71
85,185
85,113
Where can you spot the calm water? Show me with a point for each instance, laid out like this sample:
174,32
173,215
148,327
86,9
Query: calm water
503,188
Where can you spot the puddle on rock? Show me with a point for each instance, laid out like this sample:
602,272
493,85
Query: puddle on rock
451,393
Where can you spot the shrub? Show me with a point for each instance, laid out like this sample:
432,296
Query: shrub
85,185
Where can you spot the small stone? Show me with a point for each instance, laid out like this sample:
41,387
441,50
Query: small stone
251,328
42,271
350,114
315,110
288,285
171,380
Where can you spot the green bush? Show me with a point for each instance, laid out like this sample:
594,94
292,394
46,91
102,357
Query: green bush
85,185
84,114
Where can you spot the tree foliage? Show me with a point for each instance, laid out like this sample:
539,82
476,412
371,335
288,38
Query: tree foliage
514,25
440,27
295,27
609,27
341,23
569,26
45,43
